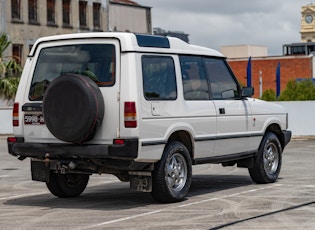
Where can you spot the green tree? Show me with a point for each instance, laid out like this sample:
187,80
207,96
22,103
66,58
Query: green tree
10,71
298,91
269,95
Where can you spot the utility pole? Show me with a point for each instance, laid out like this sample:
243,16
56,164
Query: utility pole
260,84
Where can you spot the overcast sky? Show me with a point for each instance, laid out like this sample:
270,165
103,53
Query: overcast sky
215,23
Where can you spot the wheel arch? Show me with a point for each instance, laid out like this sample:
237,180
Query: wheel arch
276,129
184,137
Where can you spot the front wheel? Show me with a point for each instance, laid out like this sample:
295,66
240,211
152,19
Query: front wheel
67,185
268,161
172,174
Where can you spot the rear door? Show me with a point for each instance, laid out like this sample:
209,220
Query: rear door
175,98
96,59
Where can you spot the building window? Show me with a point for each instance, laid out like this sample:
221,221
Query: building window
66,13
32,11
16,9
97,16
17,52
51,12
82,14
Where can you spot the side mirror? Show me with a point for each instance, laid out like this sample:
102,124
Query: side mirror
247,91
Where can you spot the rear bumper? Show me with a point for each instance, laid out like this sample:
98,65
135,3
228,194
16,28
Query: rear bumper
19,148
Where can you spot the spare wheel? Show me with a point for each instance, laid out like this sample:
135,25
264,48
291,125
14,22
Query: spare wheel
73,108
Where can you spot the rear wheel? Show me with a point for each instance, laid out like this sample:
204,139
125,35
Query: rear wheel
67,185
172,174
268,161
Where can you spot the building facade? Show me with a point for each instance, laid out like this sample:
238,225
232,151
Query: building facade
265,68
308,23
240,51
129,16
26,20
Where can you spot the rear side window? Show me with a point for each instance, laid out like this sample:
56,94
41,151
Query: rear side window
96,61
159,81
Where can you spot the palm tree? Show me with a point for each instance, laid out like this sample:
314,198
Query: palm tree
10,71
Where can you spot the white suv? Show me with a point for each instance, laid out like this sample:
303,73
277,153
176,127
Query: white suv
144,108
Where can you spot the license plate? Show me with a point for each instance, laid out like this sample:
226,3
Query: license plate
140,181
34,119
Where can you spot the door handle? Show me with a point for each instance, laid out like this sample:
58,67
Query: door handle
222,110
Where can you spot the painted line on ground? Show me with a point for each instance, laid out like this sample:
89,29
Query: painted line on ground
167,209
22,196
226,196
47,192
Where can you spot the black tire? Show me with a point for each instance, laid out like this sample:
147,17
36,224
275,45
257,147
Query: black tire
171,178
267,163
67,185
73,108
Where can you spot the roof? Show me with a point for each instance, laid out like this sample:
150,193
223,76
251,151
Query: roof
130,42
125,2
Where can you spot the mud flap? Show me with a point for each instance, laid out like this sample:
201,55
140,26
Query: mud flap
40,171
141,181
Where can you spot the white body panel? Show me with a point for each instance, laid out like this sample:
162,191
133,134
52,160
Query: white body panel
216,127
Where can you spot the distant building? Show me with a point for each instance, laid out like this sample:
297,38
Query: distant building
307,44
308,23
241,51
301,48
26,20
178,34
129,16
297,62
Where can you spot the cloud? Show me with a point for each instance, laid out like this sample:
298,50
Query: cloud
225,22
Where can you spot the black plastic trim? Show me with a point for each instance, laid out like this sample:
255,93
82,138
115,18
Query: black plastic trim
286,137
225,158
129,150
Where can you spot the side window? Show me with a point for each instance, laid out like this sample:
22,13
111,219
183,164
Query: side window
223,84
159,79
194,77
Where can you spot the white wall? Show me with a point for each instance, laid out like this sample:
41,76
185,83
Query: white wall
301,118
6,116
6,121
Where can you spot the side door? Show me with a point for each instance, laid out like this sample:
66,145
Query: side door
200,111
233,113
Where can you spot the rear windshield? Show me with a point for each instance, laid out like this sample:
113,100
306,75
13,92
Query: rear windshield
96,61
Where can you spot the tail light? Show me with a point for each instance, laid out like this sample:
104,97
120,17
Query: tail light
130,115
15,114
119,141
11,139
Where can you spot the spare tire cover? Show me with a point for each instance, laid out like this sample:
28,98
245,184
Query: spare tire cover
73,108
